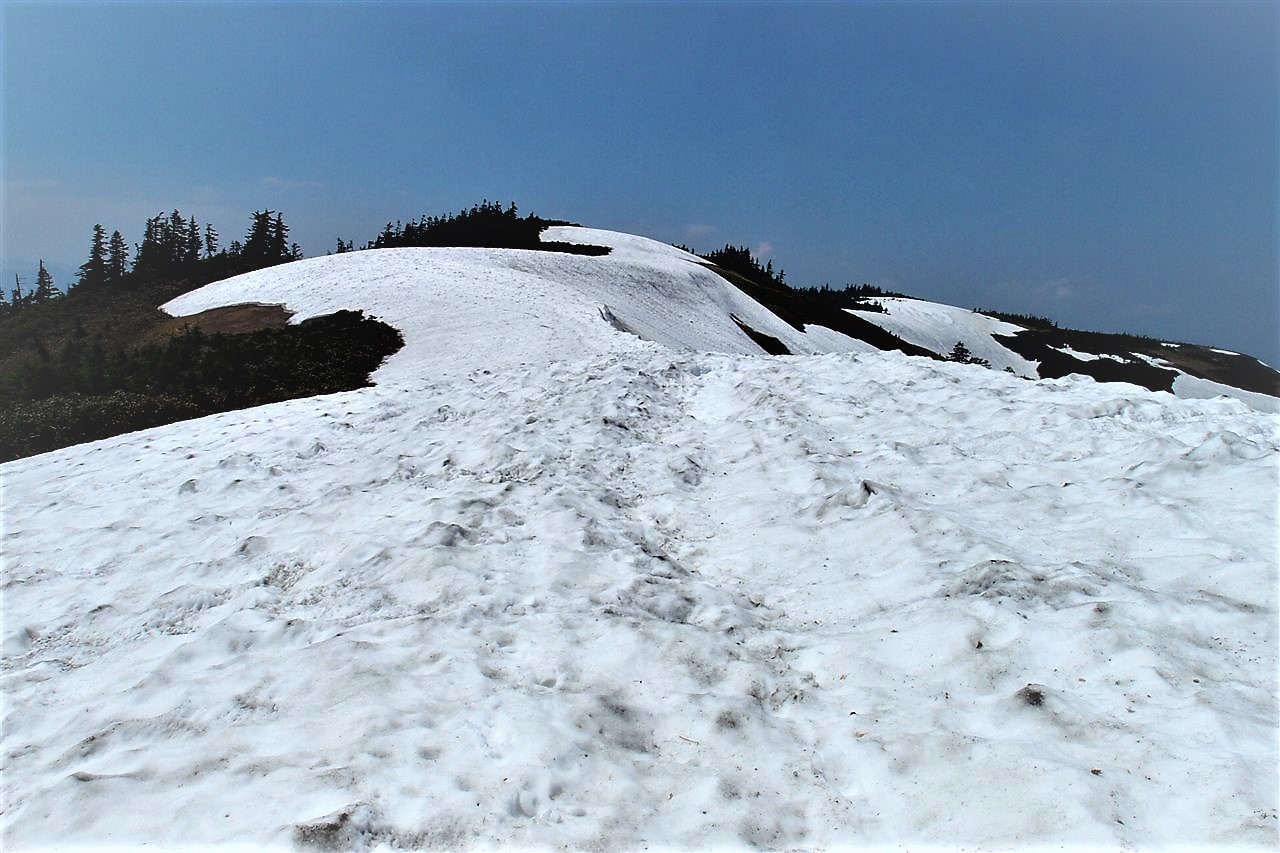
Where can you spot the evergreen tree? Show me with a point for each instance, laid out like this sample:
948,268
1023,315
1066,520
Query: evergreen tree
117,257
94,270
267,242
257,243
175,242
280,238
150,255
210,240
19,299
193,245
45,291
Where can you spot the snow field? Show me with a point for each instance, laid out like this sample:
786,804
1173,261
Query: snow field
462,310
939,327
653,598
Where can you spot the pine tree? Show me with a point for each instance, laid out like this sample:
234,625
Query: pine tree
191,253
150,255
94,271
175,240
267,242
280,239
19,299
117,257
257,243
45,291
210,240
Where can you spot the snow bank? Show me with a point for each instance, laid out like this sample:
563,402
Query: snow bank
650,599
940,327
462,310
1194,387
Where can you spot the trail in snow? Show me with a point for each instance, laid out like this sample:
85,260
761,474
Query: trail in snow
652,598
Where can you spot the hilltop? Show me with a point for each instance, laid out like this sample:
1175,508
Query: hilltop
582,567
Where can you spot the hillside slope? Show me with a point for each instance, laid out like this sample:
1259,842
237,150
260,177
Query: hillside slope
553,584
467,309
1186,370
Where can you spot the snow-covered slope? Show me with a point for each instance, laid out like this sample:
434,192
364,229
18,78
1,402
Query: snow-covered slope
548,584
466,309
939,328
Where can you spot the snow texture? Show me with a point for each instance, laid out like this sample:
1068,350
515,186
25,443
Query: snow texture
940,327
636,595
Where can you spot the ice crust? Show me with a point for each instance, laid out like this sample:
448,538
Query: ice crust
571,588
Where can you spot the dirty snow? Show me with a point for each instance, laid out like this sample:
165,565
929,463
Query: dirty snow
567,587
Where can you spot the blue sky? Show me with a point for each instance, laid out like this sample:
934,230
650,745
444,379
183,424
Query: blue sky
1113,166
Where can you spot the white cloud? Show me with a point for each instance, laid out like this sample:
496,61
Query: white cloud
764,249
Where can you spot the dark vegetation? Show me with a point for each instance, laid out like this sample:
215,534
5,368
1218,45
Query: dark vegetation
487,225
960,354
860,297
768,343
85,395
1044,346
1030,321
798,308
738,259
102,359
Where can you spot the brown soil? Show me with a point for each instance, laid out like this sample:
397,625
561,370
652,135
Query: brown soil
231,320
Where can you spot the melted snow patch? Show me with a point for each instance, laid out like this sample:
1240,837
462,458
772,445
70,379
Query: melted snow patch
1086,356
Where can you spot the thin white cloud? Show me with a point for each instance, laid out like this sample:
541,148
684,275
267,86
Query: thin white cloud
764,249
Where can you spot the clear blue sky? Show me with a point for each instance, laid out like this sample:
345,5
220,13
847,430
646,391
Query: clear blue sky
1111,165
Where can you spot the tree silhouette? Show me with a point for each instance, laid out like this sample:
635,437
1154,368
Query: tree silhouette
117,257
45,291
94,271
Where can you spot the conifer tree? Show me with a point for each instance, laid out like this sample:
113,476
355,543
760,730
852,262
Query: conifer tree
280,238
94,270
210,240
117,257
193,245
45,291
175,240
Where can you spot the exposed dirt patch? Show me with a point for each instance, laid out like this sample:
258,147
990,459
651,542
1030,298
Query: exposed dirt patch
231,320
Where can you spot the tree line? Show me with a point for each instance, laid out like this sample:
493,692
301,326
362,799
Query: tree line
173,247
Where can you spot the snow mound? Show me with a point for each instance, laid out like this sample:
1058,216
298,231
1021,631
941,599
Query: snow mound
462,310
581,572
